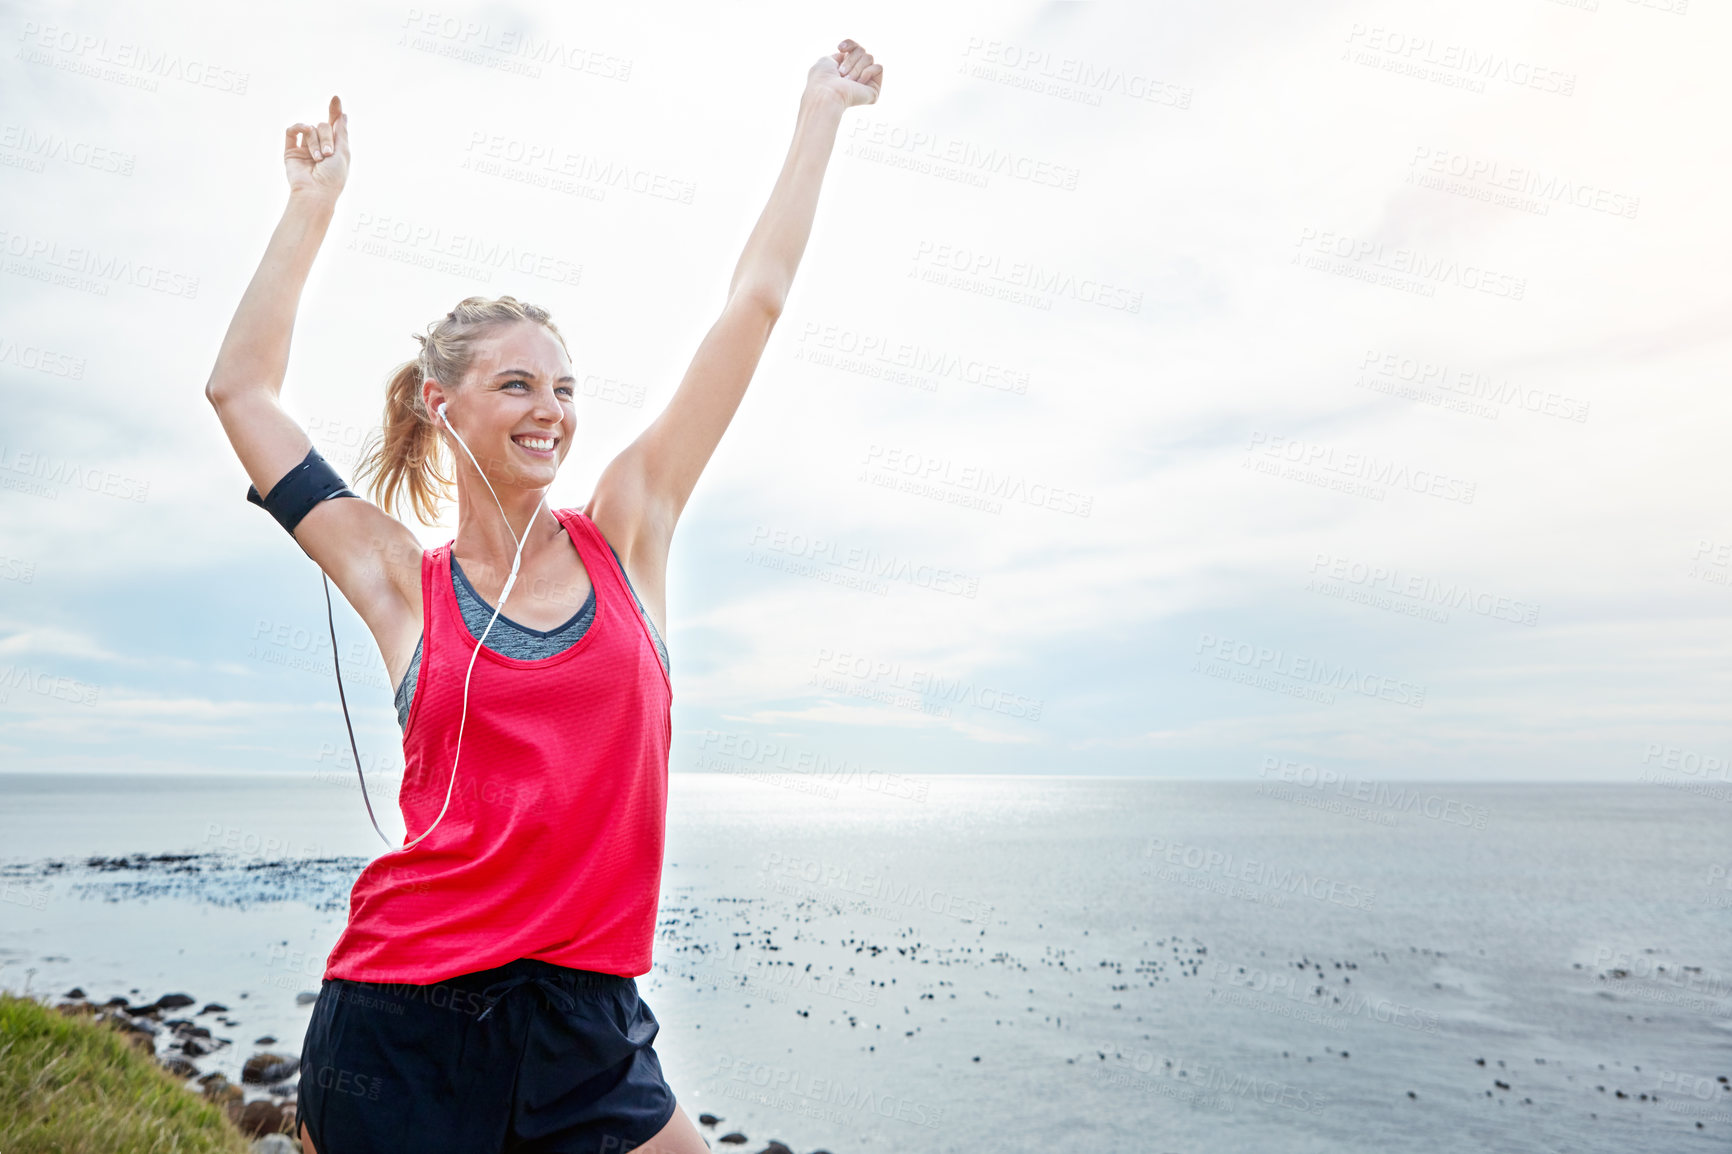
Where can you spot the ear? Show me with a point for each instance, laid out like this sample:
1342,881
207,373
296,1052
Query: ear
432,396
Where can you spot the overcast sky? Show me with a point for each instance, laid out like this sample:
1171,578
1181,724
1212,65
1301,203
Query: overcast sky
1165,389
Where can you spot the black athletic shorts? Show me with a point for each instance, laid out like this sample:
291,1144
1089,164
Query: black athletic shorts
528,1057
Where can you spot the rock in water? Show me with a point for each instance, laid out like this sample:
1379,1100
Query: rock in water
262,1117
179,1066
226,1093
305,997
269,1067
137,1025
708,1119
734,1138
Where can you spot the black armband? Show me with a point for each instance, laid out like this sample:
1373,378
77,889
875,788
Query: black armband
305,485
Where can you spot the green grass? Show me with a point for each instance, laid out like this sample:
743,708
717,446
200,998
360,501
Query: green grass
76,1086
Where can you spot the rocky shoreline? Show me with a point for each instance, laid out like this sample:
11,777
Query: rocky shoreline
168,1030
262,1105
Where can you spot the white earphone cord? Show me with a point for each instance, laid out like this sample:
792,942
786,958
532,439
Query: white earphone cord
509,581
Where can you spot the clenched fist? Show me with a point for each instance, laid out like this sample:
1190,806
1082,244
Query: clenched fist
849,72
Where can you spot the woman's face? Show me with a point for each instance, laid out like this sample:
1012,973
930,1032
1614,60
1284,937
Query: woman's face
515,409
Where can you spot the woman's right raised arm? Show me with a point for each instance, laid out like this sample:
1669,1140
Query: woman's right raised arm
373,557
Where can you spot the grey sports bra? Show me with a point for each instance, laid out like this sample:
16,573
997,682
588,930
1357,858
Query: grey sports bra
514,640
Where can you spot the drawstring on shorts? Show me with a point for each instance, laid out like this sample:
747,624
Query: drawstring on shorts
550,988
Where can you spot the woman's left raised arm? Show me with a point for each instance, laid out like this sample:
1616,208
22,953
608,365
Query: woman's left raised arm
642,491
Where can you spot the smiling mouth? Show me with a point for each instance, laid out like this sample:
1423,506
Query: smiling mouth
540,446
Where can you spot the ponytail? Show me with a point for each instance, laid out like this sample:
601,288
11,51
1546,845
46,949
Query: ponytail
406,459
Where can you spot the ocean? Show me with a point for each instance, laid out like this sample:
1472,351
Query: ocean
967,963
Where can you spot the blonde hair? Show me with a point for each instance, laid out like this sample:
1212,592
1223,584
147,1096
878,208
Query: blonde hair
406,458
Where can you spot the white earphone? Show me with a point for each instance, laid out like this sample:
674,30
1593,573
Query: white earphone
509,581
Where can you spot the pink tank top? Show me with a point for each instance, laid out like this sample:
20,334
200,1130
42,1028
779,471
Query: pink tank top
551,847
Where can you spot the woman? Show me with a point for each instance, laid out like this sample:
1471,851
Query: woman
482,996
